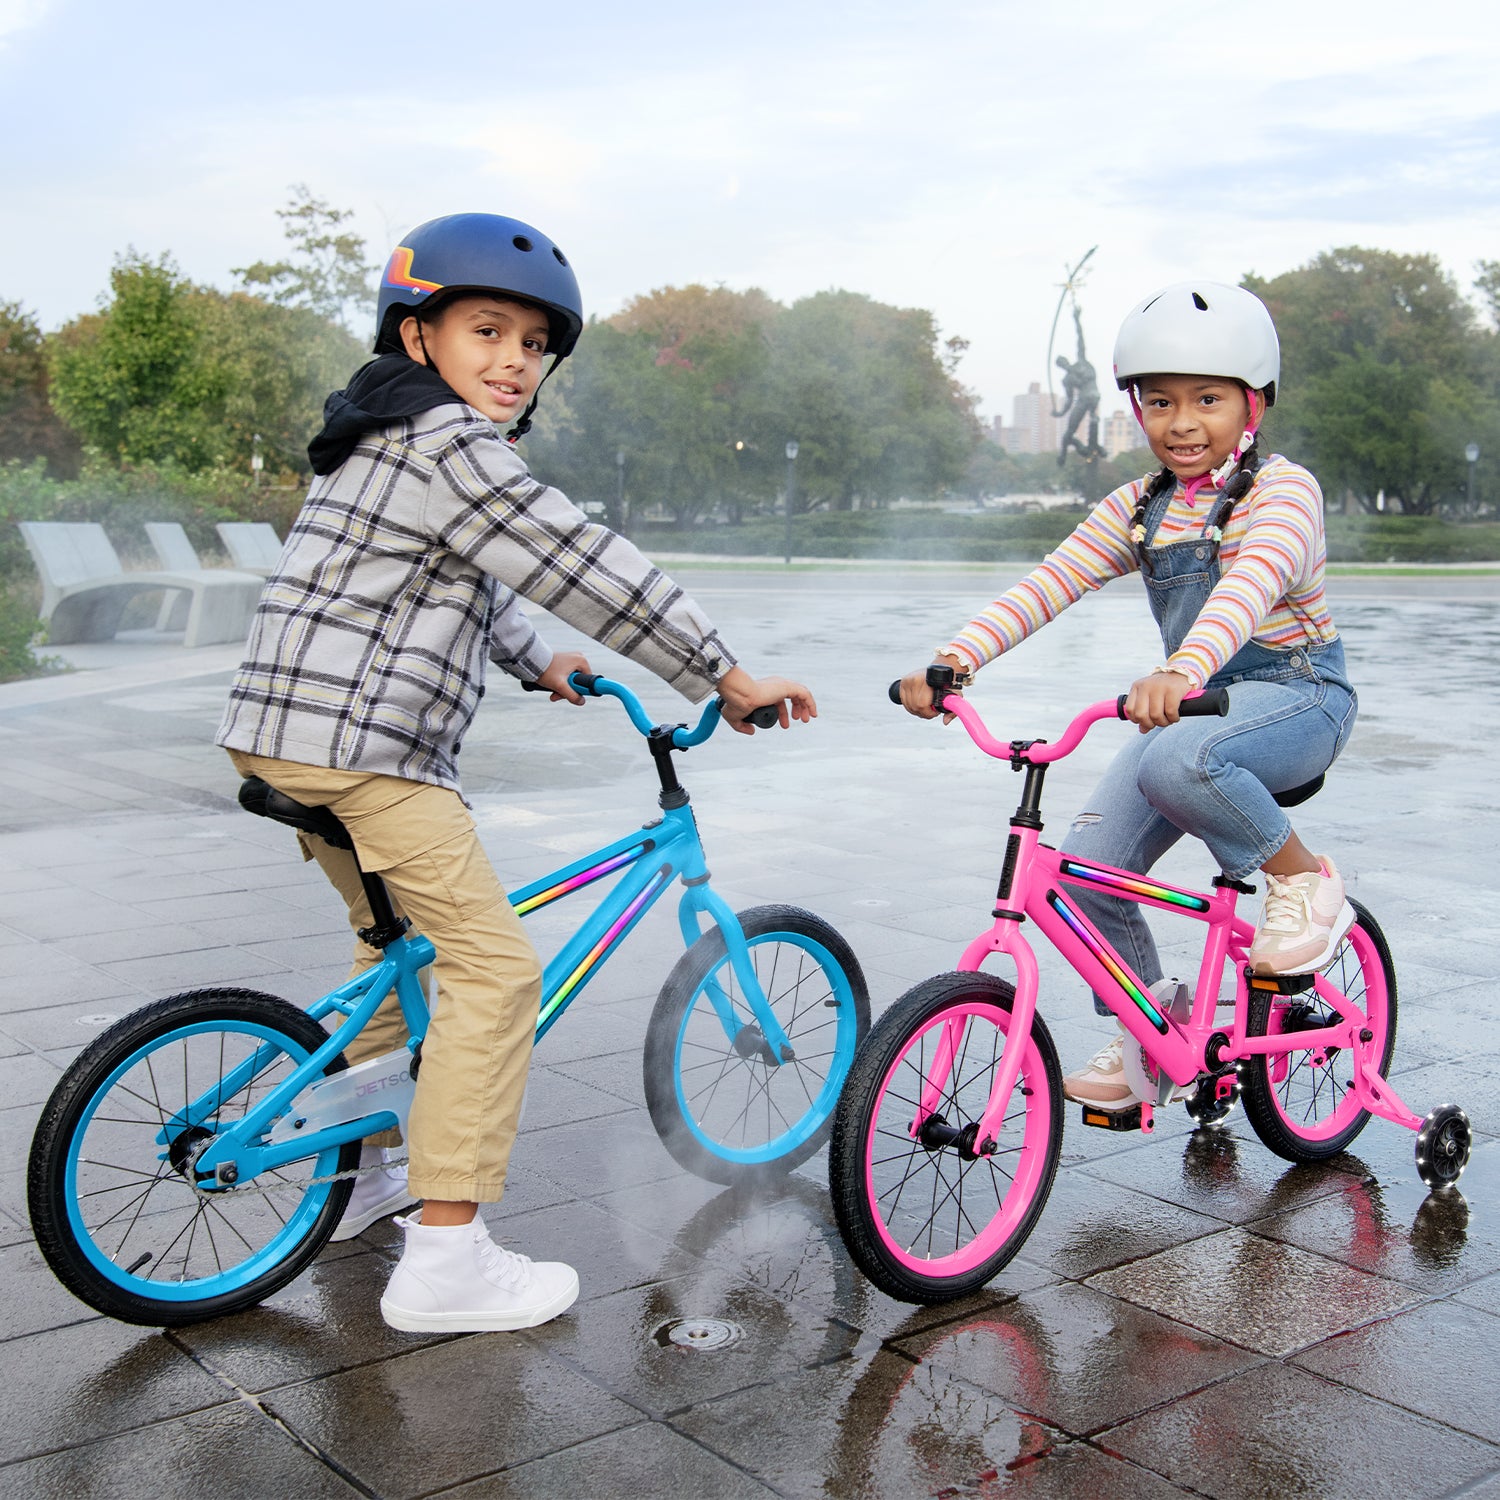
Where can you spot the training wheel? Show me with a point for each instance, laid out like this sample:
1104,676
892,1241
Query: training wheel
1208,1104
1443,1145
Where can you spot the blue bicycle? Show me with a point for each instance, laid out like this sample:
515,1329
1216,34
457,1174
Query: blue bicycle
197,1155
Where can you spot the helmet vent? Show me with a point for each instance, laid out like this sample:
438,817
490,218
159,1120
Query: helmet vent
521,242
562,259
1199,303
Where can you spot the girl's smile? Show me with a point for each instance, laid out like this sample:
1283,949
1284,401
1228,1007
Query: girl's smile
1193,422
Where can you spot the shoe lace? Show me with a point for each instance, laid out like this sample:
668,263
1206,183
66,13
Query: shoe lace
506,1267
1288,906
1107,1058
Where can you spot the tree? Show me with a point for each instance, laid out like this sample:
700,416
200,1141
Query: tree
136,381
1384,369
168,373
326,272
29,428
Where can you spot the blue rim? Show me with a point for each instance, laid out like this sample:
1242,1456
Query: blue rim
822,1106
272,1254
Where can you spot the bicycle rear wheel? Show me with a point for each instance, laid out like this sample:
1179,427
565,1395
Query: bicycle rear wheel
1302,1104
109,1181
924,1216
723,1106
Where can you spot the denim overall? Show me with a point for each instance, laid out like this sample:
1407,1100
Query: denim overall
1290,715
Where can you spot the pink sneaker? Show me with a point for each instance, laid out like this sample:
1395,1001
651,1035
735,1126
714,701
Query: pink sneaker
1304,920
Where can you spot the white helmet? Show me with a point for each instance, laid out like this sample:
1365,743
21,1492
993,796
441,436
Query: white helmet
1200,328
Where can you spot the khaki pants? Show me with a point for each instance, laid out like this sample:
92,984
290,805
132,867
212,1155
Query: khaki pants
420,839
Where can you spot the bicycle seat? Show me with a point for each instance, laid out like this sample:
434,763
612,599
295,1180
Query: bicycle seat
1297,794
261,798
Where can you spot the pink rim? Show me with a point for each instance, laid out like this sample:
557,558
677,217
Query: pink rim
939,1197
1301,1096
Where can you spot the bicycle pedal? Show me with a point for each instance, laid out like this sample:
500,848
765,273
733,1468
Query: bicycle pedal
1281,984
1112,1119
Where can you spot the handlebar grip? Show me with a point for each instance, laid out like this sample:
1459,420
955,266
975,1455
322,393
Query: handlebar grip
894,692
580,682
1209,703
767,716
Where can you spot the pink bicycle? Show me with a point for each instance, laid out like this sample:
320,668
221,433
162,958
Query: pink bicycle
947,1134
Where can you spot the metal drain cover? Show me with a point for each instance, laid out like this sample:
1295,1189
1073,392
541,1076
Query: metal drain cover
699,1333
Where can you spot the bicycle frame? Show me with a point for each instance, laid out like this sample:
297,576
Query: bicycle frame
1033,886
645,862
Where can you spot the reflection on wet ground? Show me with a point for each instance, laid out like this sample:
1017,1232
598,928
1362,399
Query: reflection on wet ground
1192,1315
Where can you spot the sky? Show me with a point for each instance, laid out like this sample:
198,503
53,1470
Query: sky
951,156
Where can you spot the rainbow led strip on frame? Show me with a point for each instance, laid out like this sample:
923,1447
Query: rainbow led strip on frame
1130,885
587,877
565,990
1143,1001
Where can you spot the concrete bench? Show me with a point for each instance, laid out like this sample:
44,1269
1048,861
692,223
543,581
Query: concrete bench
253,546
85,590
178,555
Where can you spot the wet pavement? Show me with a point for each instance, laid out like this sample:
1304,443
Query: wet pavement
1192,1316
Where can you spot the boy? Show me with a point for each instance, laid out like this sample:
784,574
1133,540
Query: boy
365,664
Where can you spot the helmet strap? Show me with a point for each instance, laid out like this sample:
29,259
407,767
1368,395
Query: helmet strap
523,426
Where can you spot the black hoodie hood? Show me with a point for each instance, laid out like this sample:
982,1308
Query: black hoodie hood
381,392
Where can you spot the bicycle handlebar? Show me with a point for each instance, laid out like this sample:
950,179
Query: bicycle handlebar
592,685
1202,703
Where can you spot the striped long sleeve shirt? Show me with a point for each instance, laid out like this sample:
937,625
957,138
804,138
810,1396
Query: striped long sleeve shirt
401,574
1271,588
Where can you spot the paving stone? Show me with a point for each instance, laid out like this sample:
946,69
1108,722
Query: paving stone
876,1424
447,1413
1437,1360
1280,1431
647,1459
1059,1354
1219,1284
88,1380
34,1299
1389,1223
232,1452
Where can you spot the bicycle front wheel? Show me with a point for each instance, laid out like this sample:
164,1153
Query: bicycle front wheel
724,1107
926,1217
1302,1104
113,1203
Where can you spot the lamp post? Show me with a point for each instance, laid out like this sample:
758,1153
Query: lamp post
1472,454
620,491
257,459
791,494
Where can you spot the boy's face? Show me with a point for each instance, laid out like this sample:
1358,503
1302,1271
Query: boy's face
1193,422
488,349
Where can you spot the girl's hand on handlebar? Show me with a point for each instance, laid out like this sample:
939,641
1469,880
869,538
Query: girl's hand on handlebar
555,679
1153,701
916,696
743,694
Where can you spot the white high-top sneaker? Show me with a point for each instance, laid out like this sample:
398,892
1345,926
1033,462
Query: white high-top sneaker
456,1279
375,1195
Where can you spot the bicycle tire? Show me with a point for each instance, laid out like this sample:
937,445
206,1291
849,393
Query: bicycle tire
97,1160
1302,1110
708,1094
883,1179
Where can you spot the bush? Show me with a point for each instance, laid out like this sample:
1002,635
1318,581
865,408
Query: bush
19,628
907,535
1411,539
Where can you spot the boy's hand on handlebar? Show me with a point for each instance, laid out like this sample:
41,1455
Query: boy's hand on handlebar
1153,701
743,694
555,679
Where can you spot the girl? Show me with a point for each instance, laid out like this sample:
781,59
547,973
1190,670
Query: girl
1231,549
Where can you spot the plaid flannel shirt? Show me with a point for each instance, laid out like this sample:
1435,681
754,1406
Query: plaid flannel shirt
367,652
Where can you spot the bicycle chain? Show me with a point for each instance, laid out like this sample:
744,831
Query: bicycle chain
218,1194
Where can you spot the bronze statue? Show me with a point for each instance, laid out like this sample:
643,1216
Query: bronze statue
1081,401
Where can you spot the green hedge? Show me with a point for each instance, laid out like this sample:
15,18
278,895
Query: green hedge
941,537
